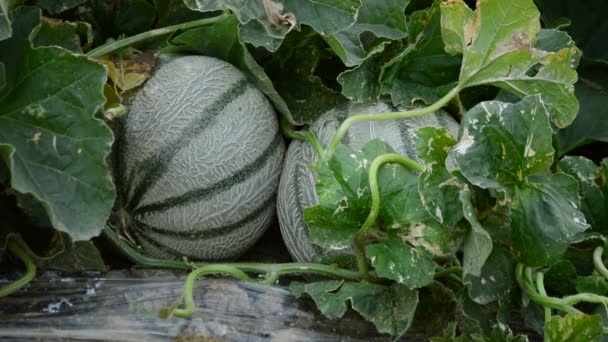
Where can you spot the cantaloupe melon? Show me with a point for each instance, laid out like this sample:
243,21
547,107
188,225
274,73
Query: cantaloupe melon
198,161
297,187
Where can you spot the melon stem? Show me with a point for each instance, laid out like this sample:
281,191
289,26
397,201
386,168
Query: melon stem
260,268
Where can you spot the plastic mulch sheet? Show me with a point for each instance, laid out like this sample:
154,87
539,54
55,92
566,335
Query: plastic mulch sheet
123,306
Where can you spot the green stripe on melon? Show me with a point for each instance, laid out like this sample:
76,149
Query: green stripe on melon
297,187
198,161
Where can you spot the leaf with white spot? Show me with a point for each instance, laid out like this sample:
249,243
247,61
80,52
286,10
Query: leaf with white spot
496,41
545,219
574,327
394,259
495,278
438,188
477,243
390,308
503,144
508,147
345,196
594,199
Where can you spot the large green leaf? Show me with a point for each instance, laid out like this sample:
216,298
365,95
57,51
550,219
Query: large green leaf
345,197
375,19
545,219
503,144
390,308
324,294
394,259
506,147
594,199
438,188
324,16
496,42
220,40
574,327
52,143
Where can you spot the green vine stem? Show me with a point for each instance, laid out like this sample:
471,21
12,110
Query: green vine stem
351,120
598,263
189,284
528,287
277,269
138,38
301,135
359,239
373,185
540,285
30,268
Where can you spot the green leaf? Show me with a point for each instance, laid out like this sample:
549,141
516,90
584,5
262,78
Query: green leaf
390,308
394,259
574,327
61,161
503,144
362,83
220,40
590,124
478,243
324,16
423,71
496,44
594,199
438,188
436,238
58,6
293,69
63,34
560,278
545,219
325,295
375,19
592,284
68,256
344,198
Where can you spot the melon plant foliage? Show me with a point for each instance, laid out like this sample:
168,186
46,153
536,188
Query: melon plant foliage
498,223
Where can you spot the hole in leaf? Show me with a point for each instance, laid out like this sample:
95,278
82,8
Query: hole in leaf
533,71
